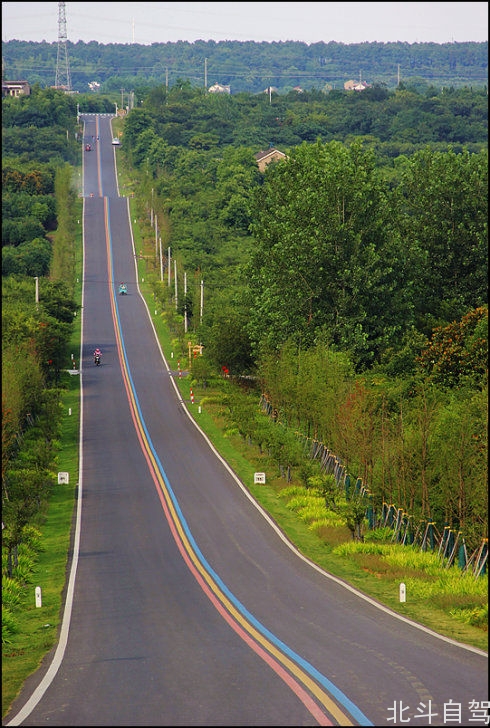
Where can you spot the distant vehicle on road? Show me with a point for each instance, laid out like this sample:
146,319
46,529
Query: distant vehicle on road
116,142
88,148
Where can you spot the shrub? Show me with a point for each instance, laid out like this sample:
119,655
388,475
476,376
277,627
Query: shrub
291,491
9,625
11,592
477,616
31,537
24,568
383,535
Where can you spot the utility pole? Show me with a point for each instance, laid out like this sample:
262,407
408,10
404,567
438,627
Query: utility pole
205,73
63,77
202,301
175,280
185,301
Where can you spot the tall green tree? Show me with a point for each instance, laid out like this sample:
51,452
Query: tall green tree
460,463
324,263
442,207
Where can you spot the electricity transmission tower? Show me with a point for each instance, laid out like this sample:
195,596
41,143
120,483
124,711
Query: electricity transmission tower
63,78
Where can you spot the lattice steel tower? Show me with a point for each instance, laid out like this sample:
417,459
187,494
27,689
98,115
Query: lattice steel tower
63,78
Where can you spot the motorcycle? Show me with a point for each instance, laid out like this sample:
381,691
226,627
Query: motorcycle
123,289
97,360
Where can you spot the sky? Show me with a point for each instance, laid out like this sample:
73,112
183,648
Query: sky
310,22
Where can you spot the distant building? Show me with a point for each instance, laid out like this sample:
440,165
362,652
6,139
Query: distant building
217,88
15,88
271,155
356,85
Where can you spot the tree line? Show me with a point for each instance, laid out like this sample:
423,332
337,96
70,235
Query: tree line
251,67
38,309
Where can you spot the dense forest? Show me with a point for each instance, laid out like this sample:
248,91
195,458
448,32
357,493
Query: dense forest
348,282
249,66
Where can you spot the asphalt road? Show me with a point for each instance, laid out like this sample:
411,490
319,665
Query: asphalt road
185,605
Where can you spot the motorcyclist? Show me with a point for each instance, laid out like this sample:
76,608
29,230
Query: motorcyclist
97,355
